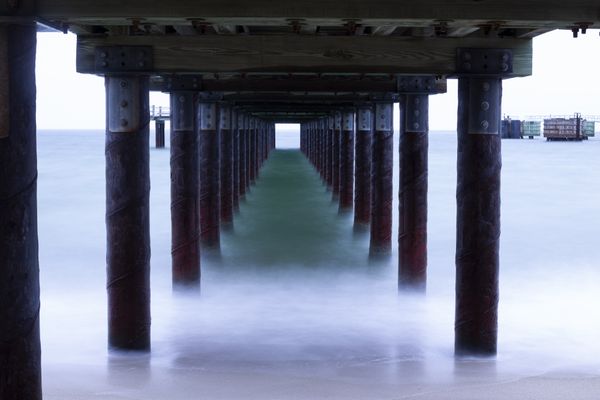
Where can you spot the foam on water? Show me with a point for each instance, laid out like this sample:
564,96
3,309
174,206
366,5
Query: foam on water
294,309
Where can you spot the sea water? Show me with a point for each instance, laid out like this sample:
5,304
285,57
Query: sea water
295,310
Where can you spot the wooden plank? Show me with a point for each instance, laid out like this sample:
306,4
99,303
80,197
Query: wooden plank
558,11
299,53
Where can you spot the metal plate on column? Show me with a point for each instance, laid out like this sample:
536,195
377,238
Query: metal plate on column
348,121
330,122
4,85
225,117
337,116
415,119
484,106
240,120
119,59
383,116
364,119
123,104
182,111
484,61
208,116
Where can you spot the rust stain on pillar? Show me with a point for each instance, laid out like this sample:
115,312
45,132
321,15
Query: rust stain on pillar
478,215
347,162
329,151
185,216
362,192
226,163
209,175
128,212
335,171
252,150
412,227
382,180
243,153
20,366
236,159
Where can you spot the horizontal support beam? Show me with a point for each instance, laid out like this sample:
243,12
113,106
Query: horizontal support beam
378,12
298,53
286,84
305,99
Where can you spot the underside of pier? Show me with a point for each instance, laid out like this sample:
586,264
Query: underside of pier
234,69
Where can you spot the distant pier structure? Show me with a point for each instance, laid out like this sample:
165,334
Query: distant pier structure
554,128
234,69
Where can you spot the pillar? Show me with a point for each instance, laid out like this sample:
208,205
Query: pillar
208,144
362,191
329,150
243,163
412,195
226,162
128,212
235,128
251,150
20,369
159,133
382,180
185,218
478,215
335,172
347,161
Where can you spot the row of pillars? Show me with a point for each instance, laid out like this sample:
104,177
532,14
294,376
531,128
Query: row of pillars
328,143
200,128
216,154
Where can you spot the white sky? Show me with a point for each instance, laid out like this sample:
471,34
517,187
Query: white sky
564,82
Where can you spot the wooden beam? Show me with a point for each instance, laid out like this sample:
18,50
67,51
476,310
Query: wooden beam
299,53
291,84
535,11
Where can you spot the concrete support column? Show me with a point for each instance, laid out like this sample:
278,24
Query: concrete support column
412,227
362,192
243,152
208,137
478,215
226,162
185,217
347,162
20,369
236,159
159,133
382,180
337,137
128,212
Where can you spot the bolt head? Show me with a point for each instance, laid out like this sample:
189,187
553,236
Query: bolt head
485,124
485,106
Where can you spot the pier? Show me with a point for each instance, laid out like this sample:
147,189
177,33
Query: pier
234,70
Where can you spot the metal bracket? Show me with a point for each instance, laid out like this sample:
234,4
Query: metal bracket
484,106
208,116
365,122
182,110
490,62
182,82
426,84
124,108
384,116
348,121
416,115
225,117
337,116
123,59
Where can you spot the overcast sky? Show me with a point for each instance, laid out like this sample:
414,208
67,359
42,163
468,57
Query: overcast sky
564,81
